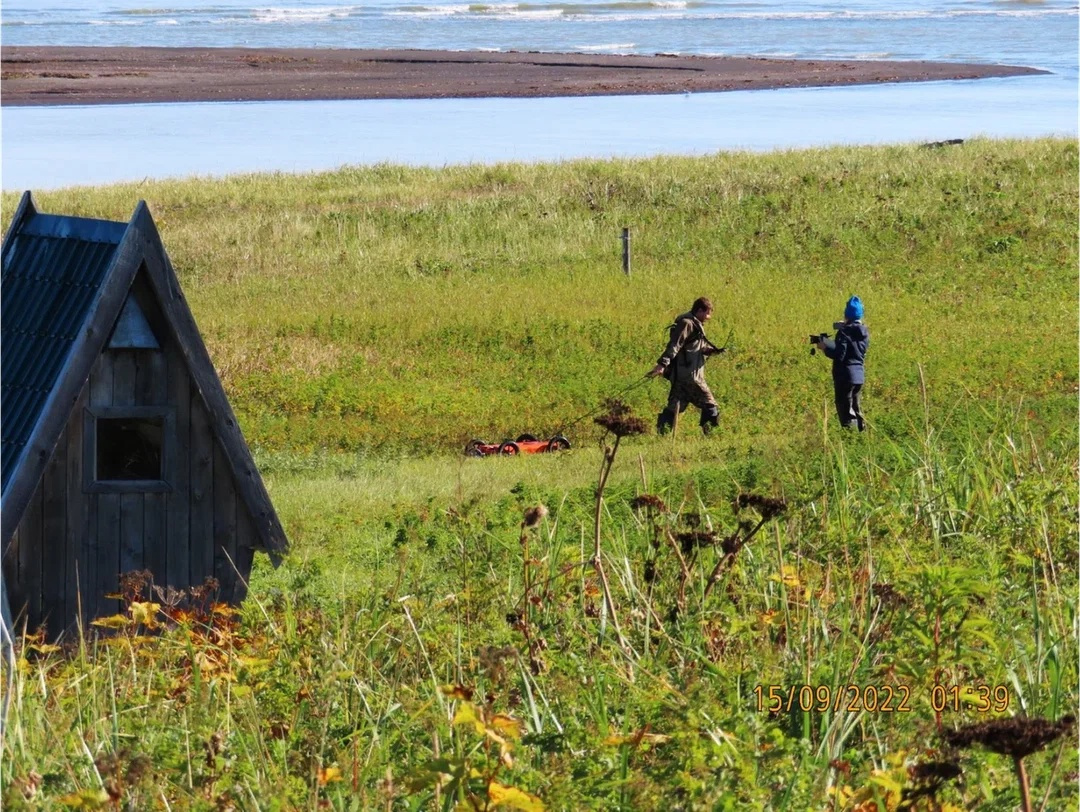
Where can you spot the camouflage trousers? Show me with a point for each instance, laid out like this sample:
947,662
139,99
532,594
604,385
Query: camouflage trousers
689,390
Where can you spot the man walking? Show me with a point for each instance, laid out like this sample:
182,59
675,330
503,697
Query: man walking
683,364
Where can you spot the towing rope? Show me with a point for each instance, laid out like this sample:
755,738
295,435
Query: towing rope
727,348
631,387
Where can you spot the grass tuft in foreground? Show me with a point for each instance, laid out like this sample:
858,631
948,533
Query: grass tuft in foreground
778,617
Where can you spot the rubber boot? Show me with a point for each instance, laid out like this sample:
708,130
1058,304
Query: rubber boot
665,421
710,419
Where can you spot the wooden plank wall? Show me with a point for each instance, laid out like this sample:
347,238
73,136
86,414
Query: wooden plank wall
71,546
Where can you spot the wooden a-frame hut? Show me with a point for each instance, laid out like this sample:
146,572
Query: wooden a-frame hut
120,450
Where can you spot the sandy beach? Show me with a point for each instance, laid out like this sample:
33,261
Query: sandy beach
119,75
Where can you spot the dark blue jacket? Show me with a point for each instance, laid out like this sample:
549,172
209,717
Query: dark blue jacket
847,352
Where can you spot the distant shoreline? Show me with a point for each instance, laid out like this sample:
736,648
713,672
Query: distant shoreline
55,75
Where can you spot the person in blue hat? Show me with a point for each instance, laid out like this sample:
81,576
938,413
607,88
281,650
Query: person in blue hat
848,352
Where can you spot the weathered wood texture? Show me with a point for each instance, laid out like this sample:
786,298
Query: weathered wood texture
74,542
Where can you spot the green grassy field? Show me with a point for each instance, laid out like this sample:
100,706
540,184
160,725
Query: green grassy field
780,616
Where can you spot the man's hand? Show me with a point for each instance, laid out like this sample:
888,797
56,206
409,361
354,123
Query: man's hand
656,370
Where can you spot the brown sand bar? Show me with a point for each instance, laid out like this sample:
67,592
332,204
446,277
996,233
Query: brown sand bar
54,75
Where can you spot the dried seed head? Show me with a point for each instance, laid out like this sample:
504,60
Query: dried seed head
927,779
934,772
888,595
622,426
769,507
619,420
732,544
534,515
135,585
695,538
647,500
1016,736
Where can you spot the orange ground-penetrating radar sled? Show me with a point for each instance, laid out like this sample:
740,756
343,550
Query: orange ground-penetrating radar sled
525,444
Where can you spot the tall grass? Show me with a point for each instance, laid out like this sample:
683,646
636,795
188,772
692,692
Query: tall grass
431,643
390,309
329,688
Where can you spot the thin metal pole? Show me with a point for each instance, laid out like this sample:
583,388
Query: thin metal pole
626,251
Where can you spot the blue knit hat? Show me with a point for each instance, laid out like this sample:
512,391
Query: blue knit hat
853,309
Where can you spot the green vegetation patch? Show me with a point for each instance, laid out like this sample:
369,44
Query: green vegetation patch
778,617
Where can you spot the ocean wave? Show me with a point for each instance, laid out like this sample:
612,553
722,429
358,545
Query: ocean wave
514,10
911,14
608,11
679,10
301,15
832,16
436,11
625,5
151,12
611,47
542,9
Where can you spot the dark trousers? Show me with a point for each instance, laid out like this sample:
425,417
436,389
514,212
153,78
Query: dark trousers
848,407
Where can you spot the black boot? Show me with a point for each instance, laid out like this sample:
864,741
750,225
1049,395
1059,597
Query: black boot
710,419
665,421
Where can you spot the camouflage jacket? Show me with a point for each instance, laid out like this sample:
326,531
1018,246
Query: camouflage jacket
687,348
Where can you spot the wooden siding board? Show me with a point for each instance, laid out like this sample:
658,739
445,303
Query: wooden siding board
28,596
108,551
152,388
92,597
178,505
202,493
77,525
124,371
12,584
54,599
101,383
105,549
152,385
90,564
225,563
131,532
246,542
155,534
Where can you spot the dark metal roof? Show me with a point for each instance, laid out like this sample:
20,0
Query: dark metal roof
65,282
53,267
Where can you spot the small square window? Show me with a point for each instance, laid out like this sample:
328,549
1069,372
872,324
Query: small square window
129,448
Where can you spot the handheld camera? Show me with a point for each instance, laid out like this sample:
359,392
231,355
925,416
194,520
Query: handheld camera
814,339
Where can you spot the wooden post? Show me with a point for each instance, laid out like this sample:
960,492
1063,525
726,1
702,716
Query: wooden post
626,251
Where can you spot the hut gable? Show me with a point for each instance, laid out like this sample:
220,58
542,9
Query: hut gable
120,451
